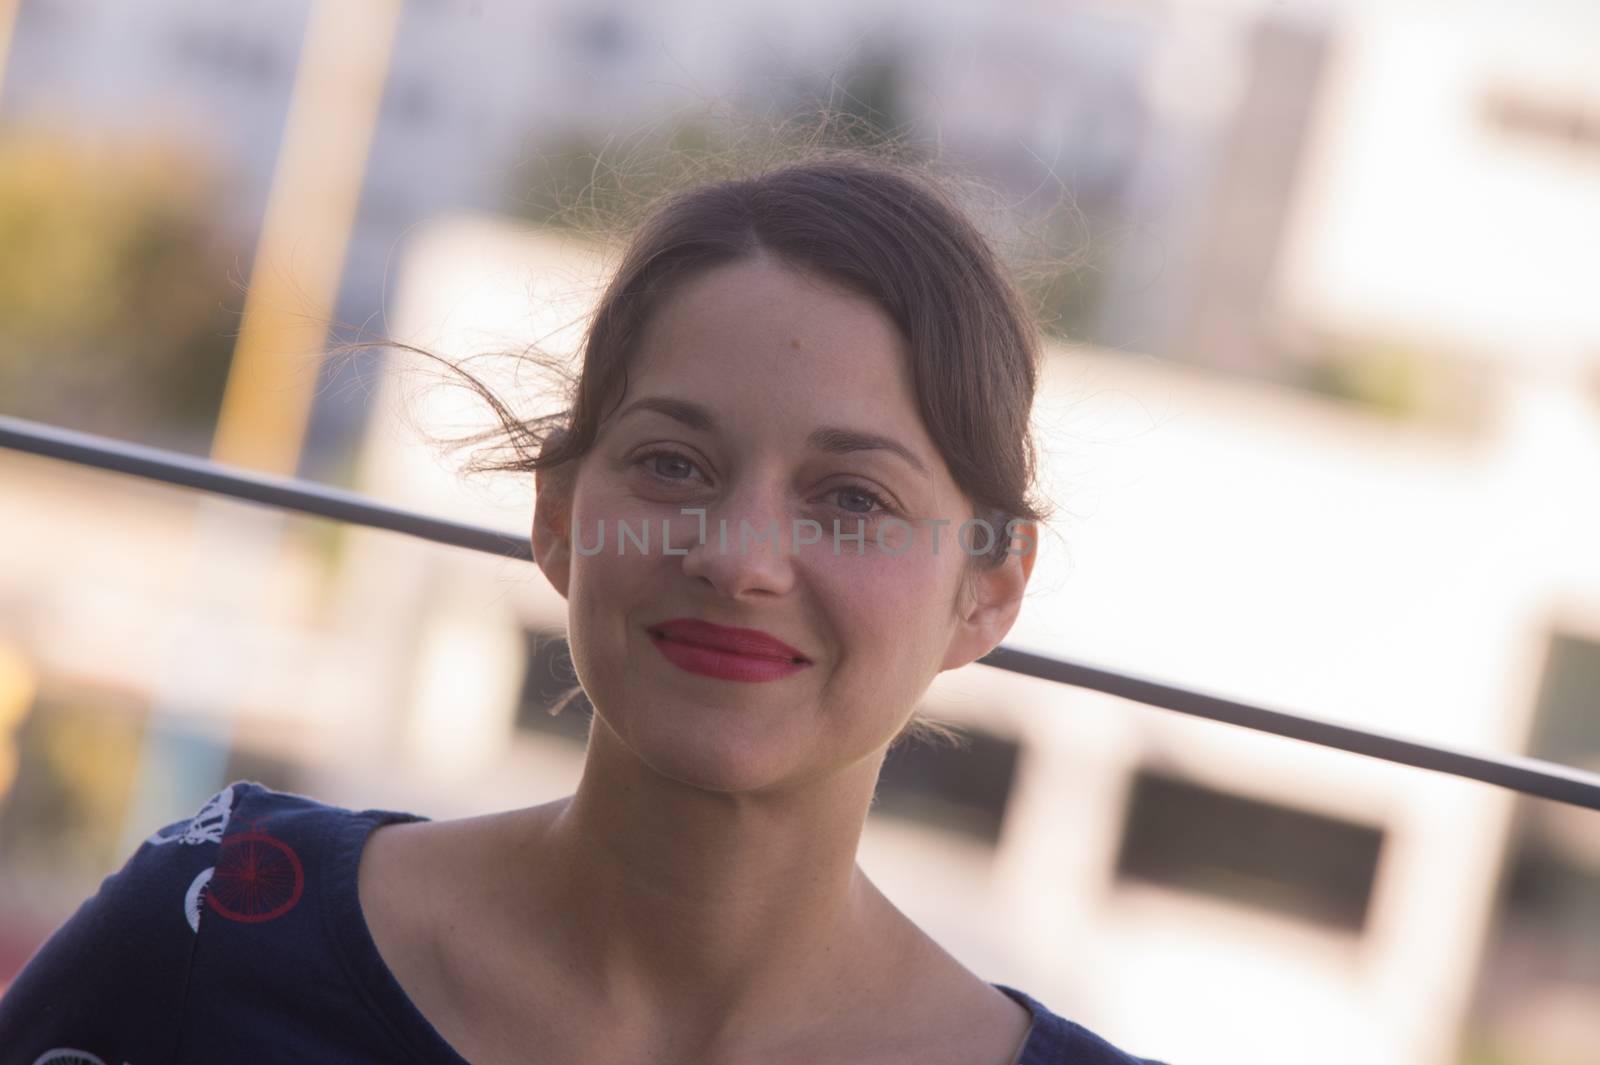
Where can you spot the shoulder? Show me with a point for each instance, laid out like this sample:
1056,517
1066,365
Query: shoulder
114,979
124,954
1054,1040
150,894
239,857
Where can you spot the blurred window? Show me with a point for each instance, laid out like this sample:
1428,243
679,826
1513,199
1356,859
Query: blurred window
963,790
1310,866
1545,940
1567,719
550,676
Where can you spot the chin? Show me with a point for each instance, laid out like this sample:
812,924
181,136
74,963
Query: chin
715,757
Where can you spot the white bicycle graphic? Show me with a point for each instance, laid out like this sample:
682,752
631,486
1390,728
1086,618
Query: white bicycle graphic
68,1056
204,827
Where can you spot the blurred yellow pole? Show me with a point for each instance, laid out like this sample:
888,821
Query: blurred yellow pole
311,209
266,405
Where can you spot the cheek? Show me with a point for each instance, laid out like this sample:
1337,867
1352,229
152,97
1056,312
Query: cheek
900,573
603,582
888,586
900,607
599,520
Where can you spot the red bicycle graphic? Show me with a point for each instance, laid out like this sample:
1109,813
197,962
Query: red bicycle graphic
257,877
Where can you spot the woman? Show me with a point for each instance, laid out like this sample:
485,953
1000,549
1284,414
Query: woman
791,488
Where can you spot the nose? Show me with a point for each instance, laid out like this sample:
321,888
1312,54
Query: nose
744,548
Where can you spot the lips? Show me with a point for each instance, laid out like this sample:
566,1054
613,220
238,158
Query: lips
750,643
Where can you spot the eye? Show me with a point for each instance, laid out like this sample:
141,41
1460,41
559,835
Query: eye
863,492
672,460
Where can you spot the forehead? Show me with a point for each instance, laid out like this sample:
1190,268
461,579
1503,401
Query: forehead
758,329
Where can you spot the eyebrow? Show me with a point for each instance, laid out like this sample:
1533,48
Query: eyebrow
831,439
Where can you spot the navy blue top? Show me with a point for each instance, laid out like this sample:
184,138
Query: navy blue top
236,935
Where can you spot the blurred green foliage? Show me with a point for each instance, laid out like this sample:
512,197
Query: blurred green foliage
80,750
601,182
1480,1045
117,313
1065,274
1398,377
1382,375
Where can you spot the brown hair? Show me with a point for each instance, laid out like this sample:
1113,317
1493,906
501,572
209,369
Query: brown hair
884,229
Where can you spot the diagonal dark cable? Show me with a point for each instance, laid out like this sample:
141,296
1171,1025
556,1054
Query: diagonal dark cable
171,467
1547,780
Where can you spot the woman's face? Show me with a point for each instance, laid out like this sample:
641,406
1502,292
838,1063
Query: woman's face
751,396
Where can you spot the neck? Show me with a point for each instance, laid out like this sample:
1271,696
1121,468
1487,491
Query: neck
727,912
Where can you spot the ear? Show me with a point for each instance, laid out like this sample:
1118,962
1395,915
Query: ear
991,598
552,527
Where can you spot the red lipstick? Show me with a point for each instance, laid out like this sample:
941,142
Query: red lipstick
726,653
